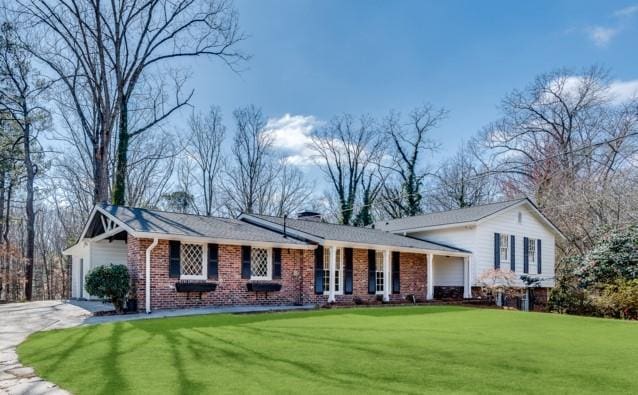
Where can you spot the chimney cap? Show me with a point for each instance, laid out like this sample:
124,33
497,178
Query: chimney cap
309,215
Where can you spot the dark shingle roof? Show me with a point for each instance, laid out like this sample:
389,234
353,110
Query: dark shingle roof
353,234
458,216
162,222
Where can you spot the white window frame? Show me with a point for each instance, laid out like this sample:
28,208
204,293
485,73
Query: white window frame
204,274
268,276
377,254
531,255
505,246
338,268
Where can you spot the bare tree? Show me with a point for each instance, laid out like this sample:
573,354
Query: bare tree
410,143
290,190
461,181
566,141
204,146
20,91
345,149
253,171
111,53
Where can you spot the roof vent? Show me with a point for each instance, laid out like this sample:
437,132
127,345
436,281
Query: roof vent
309,216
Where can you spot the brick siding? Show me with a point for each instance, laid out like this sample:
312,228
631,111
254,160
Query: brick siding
297,279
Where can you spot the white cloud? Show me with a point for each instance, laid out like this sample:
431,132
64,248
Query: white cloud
601,36
291,134
623,91
627,11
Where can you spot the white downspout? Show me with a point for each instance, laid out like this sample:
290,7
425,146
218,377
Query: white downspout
147,298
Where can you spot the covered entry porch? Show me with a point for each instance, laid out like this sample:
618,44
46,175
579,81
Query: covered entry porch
448,276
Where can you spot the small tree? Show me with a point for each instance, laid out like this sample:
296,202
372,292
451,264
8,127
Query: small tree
493,281
109,282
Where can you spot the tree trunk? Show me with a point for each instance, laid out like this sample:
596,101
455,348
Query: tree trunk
119,187
30,244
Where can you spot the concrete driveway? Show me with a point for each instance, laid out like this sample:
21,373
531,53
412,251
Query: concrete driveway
19,320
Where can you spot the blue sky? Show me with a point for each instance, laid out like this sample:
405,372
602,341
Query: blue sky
312,60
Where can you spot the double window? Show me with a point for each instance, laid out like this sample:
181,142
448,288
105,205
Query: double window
504,247
193,261
260,264
338,271
379,274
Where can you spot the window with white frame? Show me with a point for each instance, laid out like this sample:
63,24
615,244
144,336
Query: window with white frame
531,253
338,271
505,244
379,271
260,264
192,261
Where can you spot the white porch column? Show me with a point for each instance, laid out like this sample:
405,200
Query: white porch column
386,275
467,286
333,265
430,280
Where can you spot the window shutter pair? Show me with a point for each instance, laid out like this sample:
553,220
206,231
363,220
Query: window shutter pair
246,256
372,271
396,272
174,262
497,250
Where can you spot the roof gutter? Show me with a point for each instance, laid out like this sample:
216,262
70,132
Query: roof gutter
147,277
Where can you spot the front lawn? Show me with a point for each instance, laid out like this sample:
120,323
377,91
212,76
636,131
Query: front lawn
368,350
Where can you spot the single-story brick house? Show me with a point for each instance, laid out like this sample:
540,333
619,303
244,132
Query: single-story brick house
182,260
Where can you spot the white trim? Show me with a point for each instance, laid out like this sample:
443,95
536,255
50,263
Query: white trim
386,275
193,239
363,246
268,268
147,278
467,289
430,280
339,264
204,275
332,251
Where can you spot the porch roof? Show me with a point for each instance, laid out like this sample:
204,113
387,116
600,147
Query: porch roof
349,234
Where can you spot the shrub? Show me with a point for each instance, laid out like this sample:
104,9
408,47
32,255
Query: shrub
109,282
619,300
613,257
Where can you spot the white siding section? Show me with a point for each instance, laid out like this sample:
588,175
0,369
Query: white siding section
460,237
507,222
447,271
93,255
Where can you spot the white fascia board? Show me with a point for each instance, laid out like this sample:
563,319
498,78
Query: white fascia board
380,247
435,227
280,228
207,240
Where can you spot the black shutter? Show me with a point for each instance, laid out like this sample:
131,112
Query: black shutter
525,255
213,257
174,269
245,261
319,270
396,272
538,256
372,272
348,284
513,253
497,250
276,263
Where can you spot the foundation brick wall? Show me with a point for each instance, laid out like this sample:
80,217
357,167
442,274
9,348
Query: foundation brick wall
297,279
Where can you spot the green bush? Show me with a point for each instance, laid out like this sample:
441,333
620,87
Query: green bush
109,282
619,300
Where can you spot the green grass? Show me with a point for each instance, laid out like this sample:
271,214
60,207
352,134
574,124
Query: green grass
370,350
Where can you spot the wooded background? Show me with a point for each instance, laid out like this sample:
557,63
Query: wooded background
86,89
